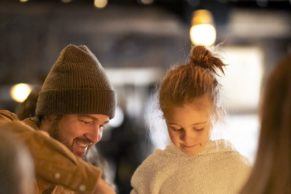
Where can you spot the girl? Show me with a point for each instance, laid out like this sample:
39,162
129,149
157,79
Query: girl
192,163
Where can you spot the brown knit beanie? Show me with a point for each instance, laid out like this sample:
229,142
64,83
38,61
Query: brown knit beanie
76,84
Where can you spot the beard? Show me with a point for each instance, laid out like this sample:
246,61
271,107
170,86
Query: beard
54,132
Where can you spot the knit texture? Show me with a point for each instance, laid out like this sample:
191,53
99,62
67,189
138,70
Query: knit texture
76,84
218,169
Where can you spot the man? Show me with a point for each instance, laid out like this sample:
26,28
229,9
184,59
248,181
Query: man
76,100
74,103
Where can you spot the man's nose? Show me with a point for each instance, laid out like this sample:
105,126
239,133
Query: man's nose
95,134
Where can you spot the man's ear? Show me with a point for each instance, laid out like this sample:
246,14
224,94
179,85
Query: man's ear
50,118
47,122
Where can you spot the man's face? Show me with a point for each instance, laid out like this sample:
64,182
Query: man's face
78,132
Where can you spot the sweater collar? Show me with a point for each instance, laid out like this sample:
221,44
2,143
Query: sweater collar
212,147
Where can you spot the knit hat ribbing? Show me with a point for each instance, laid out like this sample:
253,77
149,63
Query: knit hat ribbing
76,84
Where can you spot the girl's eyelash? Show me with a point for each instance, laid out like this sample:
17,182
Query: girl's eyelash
175,129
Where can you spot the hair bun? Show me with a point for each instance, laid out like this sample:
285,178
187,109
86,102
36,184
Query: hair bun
202,57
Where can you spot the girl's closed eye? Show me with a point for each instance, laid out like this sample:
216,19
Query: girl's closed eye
176,128
198,128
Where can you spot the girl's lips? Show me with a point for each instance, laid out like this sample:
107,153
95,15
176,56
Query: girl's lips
191,149
190,146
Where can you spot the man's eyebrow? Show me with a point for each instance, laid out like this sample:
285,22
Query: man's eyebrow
93,118
88,116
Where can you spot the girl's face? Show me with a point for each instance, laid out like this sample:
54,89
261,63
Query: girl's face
189,125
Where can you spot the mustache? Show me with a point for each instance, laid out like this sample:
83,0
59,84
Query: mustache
84,140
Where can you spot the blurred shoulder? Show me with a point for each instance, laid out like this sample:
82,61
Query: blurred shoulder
7,116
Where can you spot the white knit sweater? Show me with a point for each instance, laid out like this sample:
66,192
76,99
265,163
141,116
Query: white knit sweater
218,169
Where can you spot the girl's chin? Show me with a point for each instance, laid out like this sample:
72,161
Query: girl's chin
192,151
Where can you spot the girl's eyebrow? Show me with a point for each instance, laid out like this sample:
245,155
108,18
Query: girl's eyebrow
171,123
194,124
200,123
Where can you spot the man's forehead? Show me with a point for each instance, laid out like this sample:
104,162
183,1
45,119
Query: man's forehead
97,117
93,116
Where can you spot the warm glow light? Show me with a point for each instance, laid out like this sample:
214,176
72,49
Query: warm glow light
23,1
66,1
203,34
100,3
20,92
202,31
147,2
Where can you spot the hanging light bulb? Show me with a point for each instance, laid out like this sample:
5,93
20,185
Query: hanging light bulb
202,31
100,3
66,1
146,2
19,92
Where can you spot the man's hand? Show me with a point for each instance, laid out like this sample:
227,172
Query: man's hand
103,188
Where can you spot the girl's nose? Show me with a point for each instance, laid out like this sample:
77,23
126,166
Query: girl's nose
188,137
